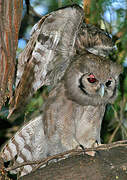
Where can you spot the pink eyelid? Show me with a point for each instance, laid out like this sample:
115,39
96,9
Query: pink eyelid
91,76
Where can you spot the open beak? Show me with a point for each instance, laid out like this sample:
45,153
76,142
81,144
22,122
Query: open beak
102,90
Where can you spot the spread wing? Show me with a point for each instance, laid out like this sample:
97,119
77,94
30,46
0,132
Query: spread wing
26,145
55,39
53,44
47,54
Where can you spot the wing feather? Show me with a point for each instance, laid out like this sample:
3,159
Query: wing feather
47,54
27,144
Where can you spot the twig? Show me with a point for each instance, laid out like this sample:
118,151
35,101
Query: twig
114,132
118,118
59,3
34,12
118,126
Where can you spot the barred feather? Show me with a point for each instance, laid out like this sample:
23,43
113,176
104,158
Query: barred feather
26,145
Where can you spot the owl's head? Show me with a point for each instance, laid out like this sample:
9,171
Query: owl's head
92,80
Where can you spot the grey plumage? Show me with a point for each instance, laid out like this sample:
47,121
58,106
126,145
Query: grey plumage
72,114
54,40
94,40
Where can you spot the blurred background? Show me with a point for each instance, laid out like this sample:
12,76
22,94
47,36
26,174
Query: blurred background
110,15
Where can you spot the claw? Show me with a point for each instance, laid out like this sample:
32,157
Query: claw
82,147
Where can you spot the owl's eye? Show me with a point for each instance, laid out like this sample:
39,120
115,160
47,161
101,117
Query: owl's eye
108,83
91,78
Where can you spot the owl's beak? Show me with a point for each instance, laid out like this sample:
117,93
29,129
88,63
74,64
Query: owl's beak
102,90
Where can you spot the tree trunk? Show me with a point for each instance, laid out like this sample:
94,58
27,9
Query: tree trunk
10,18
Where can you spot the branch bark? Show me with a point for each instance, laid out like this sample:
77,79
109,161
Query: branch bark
10,13
109,163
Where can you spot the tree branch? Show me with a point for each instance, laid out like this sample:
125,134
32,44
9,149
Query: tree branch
110,163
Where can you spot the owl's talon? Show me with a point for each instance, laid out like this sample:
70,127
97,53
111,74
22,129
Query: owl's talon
90,153
96,142
82,147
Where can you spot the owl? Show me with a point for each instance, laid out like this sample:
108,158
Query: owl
54,40
72,114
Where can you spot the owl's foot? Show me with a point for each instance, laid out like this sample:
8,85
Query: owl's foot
82,147
93,153
90,153
97,144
